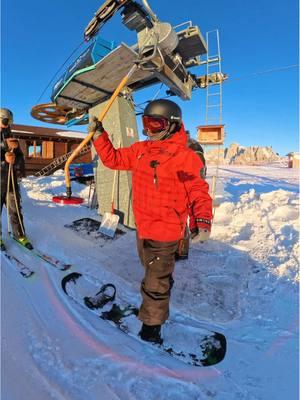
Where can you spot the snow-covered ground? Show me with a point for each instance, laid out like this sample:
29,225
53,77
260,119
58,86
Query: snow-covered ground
243,283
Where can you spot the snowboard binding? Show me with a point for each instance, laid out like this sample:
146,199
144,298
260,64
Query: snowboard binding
106,294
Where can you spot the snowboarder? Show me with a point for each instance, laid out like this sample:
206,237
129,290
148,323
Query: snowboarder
166,182
12,159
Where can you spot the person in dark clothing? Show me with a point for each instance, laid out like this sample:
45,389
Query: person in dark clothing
12,170
198,149
182,252
166,183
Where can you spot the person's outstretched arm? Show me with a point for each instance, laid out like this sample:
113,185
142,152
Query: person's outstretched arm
121,159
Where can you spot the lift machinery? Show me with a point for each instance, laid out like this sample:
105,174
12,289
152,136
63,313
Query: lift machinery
163,54
105,71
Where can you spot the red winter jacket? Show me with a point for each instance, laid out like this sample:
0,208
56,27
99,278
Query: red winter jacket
166,182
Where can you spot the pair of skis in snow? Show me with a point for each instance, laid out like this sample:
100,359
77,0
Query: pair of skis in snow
23,269
184,339
19,265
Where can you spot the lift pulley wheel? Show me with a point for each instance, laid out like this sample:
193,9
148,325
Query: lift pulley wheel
55,114
67,200
103,14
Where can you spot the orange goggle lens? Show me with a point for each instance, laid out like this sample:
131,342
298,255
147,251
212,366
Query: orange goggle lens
154,124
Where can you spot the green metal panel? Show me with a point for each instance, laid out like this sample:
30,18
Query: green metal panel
120,123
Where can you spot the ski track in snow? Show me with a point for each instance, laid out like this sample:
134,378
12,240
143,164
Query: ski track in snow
243,282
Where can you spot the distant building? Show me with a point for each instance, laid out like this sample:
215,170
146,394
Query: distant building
294,160
41,146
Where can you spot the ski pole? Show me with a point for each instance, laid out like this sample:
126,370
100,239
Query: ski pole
16,202
7,199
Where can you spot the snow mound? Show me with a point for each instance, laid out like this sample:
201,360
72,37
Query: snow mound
267,226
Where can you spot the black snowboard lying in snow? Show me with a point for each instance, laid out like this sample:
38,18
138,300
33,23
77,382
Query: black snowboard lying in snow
183,338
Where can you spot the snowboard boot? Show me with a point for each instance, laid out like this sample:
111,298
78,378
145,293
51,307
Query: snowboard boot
2,245
25,242
151,333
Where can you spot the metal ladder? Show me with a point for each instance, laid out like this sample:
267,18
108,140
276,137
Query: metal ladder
214,94
60,160
214,103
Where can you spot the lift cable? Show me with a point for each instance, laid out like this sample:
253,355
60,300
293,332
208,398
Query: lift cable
73,52
253,74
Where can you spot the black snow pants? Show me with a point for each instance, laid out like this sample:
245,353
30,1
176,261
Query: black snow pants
12,211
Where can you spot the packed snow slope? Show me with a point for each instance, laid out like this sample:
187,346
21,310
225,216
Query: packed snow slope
243,283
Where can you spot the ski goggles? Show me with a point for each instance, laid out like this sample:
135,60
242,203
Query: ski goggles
155,124
5,121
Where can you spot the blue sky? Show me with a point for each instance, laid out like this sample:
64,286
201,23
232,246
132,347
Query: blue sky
37,37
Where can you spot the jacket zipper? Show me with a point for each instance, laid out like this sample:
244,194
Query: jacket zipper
154,164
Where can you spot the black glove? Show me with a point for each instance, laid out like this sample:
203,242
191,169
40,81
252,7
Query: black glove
97,127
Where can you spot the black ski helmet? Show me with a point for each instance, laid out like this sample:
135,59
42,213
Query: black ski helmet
166,109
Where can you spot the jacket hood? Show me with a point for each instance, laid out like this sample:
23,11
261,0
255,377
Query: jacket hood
179,137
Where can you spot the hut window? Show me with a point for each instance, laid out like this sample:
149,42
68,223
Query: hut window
34,149
39,149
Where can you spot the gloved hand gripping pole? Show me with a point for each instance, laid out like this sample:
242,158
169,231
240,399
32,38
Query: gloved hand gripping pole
91,134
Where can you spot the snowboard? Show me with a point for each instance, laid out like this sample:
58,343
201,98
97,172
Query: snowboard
184,338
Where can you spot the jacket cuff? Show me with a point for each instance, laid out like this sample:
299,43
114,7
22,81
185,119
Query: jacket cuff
203,223
102,138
